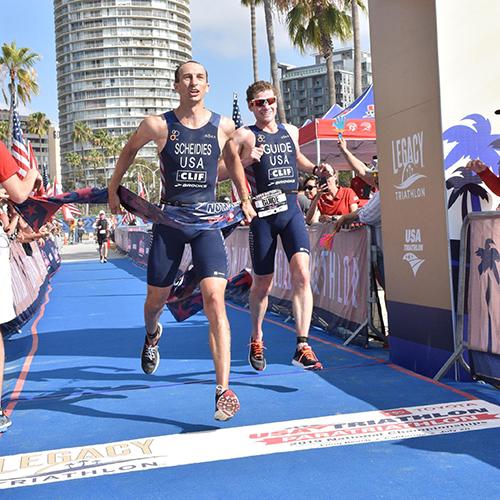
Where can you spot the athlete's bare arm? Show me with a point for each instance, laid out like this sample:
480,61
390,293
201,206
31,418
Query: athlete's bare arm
152,128
234,166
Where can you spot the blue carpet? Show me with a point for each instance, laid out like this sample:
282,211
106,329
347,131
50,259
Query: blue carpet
85,386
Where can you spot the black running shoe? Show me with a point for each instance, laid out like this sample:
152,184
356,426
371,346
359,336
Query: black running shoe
256,356
226,404
5,421
305,358
150,357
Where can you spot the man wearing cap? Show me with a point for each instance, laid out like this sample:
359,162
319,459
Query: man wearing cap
102,234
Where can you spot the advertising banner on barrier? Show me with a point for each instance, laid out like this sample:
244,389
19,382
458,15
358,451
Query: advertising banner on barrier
338,276
484,286
28,274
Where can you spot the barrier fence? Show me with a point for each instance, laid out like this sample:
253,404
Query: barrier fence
32,265
341,278
478,307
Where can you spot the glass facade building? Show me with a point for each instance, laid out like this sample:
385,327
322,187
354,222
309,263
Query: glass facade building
115,64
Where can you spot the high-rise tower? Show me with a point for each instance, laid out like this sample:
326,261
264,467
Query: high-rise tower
115,65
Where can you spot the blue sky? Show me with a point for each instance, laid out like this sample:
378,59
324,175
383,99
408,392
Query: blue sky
220,39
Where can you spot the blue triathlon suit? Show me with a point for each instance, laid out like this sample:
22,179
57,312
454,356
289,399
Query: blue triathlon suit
277,169
189,175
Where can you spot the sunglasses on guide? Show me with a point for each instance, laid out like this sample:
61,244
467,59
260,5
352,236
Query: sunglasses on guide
262,102
309,188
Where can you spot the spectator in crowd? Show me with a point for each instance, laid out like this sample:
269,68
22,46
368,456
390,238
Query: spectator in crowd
80,230
370,213
73,237
487,176
17,190
303,200
331,200
310,190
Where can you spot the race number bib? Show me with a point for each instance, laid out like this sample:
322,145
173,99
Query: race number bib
102,231
270,202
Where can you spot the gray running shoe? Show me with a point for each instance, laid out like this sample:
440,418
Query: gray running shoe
150,357
256,356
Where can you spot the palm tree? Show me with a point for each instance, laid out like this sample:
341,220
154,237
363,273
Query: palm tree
464,185
114,147
81,135
38,124
313,24
74,160
95,159
273,58
253,24
470,141
101,139
19,64
4,130
356,35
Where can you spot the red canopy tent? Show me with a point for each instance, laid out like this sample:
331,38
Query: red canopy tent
356,123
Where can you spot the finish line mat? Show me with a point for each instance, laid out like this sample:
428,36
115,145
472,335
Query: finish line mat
172,450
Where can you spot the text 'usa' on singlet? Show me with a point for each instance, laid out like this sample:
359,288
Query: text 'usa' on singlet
188,162
277,168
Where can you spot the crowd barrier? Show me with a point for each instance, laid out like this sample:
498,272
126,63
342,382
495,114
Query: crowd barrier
477,331
32,265
341,278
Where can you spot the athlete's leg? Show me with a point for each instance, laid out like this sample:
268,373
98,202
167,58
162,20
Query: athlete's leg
263,243
105,249
302,298
153,307
258,301
219,335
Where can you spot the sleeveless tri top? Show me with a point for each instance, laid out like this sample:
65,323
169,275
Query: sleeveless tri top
188,162
277,168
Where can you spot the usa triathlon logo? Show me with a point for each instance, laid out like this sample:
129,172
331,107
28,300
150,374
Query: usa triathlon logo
413,243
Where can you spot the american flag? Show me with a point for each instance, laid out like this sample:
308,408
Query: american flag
128,218
69,210
141,188
19,149
248,172
236,112
34,164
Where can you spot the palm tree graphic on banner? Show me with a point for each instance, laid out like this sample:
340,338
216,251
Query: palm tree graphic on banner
473,141
489,256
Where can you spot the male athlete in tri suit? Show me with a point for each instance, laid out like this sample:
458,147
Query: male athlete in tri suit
190,140
271,156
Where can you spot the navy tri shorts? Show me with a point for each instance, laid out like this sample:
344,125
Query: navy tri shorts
167,246
289,226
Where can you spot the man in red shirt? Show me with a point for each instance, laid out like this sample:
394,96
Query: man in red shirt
17,189
331,199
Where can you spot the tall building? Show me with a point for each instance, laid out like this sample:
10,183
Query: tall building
305,88
46,147
115,64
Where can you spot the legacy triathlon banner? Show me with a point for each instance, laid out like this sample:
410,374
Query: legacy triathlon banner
135,455
484,286
339,277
